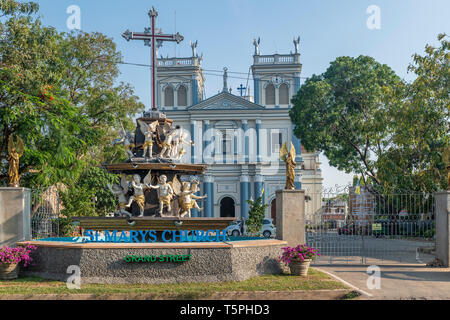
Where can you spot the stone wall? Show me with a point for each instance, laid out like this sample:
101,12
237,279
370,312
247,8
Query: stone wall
209,263
15,223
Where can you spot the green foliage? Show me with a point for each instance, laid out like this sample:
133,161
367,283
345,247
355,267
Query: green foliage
341,112
89,195
58,93
33,107
66,228
11,7
369,122
256,215
420,126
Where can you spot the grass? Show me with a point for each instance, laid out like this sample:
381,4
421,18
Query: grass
314,281
351,295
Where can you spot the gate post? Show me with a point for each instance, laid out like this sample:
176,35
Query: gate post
442,206
291,216
15,222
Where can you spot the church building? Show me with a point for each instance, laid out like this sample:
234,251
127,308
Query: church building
239,138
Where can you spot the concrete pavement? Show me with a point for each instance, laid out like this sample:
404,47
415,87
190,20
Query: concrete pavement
397,282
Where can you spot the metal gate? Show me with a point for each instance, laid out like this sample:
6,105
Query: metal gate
352,225
45,210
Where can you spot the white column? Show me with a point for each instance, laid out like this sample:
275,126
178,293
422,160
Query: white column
199,142
175,97
193,138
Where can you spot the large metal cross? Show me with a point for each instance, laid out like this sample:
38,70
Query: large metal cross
153,38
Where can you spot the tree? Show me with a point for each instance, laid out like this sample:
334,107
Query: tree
369,122
90,197
33,107
341,113
58,93
256,215
11,7
90,71
419,128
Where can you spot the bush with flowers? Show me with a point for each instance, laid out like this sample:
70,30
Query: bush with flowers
17,255
299,253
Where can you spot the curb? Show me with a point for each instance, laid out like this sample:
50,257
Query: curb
337,294
362,292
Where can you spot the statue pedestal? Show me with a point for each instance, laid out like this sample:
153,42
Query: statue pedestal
15,221
291,216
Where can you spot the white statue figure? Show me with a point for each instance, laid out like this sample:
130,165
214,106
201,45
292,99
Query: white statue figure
194,48
121,190
179,140
256,44
225,80
186,199
139,188
167,145
165,194
296,44
127,139
149,132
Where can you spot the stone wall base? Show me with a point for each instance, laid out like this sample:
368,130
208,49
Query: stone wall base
235,263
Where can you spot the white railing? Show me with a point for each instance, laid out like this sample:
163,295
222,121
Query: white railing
277,59
176,62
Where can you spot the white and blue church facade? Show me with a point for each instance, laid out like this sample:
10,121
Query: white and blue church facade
239,138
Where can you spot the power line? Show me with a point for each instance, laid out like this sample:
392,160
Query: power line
208,70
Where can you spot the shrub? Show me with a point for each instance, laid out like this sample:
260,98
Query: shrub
298,253
17,255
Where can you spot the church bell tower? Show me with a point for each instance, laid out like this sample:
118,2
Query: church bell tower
180,81
276,77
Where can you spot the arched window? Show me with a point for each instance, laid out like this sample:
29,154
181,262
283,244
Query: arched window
270,94
227,208
168,97
284,93
182,96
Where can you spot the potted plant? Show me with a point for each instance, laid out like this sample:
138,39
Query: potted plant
299,258
10,258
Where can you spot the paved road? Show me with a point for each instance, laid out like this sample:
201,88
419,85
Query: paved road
402,263
397,282
336,248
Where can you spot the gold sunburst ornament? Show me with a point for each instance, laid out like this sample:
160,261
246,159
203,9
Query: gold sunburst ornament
15,151
289,158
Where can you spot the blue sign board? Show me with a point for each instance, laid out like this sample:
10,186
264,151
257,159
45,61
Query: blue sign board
150,236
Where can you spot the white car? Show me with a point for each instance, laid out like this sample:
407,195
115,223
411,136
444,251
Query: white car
268,229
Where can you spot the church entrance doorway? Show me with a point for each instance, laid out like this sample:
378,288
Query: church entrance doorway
227,208
273,211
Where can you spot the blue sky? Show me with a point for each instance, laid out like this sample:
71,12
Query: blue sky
225,31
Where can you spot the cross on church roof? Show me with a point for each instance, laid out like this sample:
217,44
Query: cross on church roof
153,38
241,89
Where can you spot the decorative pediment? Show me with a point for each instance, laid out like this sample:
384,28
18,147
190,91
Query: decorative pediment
226,101
176,78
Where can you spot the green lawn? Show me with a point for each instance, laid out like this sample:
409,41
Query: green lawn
314,281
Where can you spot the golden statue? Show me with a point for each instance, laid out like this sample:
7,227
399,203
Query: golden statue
15,151
446,155
289,158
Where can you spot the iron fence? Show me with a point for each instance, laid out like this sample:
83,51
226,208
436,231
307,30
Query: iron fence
45,210
354,225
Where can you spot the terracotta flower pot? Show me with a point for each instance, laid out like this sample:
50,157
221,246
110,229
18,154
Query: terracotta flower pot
9,271
299,268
